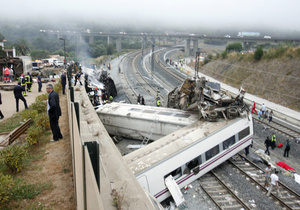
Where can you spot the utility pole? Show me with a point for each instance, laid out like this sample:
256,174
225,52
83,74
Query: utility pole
64,51
152,56
197,64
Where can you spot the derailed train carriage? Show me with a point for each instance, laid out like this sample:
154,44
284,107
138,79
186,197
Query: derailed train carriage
224,129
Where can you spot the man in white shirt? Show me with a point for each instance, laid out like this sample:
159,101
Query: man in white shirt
268,171
263,108
274,183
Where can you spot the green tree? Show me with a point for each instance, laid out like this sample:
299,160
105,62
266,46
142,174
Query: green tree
99,50
22,46
1,37
258,53
234,47
39,54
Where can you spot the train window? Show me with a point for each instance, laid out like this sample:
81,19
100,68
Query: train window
182,115
176,173
165,113
244,133
135,109
228,142
212,152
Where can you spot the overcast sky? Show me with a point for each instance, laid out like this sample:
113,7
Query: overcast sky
281,15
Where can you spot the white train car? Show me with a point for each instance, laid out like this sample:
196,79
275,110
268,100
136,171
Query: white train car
189,153
135,121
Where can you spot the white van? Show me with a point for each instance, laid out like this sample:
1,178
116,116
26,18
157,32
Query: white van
58,64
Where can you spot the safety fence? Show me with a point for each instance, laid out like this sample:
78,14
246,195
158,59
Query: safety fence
86,181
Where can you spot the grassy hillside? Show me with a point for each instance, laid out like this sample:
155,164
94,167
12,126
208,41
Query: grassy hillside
276,77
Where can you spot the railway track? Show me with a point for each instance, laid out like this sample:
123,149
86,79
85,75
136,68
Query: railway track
289,200
219,193
288,131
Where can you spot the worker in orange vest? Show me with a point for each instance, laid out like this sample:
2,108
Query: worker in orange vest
6,75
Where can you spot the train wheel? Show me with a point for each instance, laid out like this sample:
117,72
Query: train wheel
232,112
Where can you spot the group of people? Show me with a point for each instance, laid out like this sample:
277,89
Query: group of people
263,113
271,181
8,74
272,143
140,100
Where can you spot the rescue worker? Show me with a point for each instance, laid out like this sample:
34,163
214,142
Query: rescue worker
273,141
23,84
158,102
6,75
77,78
28,79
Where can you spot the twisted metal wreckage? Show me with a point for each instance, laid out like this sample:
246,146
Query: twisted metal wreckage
209,99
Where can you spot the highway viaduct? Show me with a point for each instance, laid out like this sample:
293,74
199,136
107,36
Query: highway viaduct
248,42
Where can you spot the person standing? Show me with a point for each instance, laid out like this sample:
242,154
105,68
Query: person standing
1,115
39,79
271,116
287,148
253,108
63,81
268,144
268,172
259,114
273,141
18,95
54,112
23,83
143,100
263,108
11,74
274,183
158,102
139,99
6,75
28,79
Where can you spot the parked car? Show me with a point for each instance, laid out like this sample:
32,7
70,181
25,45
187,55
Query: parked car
59,64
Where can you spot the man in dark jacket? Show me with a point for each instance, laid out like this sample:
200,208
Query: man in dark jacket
268,144
18,95
63,81
54,112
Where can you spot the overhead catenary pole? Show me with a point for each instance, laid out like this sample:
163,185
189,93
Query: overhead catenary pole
64,50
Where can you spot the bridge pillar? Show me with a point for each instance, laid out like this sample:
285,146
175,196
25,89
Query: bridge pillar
80,38
119,44
91,40
109,40
144,43
195,47
187,46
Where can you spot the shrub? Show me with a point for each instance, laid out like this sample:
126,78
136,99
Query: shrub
6,184
42,97
57,87
42,120
234,47
39,106
224,55
13,157
33,134
258,53
29,113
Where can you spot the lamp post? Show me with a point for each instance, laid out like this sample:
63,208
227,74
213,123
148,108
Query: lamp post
64,50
